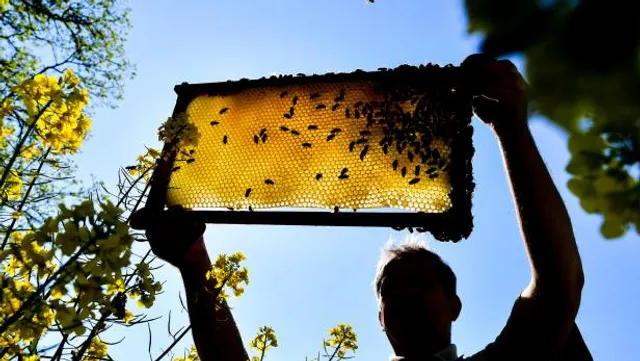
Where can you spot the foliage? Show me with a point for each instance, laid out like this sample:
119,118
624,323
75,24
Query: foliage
582,65
38,37
66,270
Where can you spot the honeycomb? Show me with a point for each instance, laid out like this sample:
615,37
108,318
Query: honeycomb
350,145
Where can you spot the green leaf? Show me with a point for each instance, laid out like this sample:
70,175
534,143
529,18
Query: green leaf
589,204
606,184
580,187
612,228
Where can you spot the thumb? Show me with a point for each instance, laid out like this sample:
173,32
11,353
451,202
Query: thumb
486,108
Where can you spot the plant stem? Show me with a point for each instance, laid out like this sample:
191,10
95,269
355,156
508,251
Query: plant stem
24,199
16,150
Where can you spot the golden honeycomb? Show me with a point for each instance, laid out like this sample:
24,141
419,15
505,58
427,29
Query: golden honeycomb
312,145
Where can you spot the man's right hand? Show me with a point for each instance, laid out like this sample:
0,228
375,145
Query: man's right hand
172,234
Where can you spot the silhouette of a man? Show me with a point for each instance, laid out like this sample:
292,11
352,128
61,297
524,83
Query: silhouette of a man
416,290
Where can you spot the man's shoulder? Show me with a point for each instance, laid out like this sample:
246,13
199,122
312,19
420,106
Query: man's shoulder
482,355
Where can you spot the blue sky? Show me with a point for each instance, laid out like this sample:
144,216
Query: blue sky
305,280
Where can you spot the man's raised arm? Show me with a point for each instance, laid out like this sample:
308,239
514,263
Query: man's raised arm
542,322
179,241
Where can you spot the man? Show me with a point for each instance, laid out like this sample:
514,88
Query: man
416,289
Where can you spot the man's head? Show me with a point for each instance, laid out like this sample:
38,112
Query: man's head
417,298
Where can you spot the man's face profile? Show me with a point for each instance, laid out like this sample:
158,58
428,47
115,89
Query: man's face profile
415,309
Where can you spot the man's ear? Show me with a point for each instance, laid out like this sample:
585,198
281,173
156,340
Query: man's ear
455,306
380,320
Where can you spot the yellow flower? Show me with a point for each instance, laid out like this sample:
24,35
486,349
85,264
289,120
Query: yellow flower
265,339
128,316
13,266
70,78
97,350
57,292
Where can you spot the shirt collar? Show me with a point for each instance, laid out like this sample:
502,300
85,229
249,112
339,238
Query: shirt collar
449,353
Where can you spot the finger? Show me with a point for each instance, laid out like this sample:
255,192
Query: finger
477,61
140,219
507,65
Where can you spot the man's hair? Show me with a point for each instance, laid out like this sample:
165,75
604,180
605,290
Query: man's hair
414,249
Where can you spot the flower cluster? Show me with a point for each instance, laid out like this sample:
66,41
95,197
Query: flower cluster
56,106
228,274
343,339
192,355
180,130
265,339
91,246
145,164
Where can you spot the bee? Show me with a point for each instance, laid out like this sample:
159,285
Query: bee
284,94
247,193
318,176
250,209
351,146
331,137
435,154
433,175
358,104
417,172
340,96
363,153
295,132
410,156
264,138
225,139
306,145
215,122
347,113
385,148
370,121
356,114
175,169
343,176
284,129
287,115
335,107
365,133
320,106
335,130
192,151
414,181
312,127
295,100
269,182
223,110
190,160
314,96
256,139
336,209
362,140
230,208
404,171
394,164
291,111
262,131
